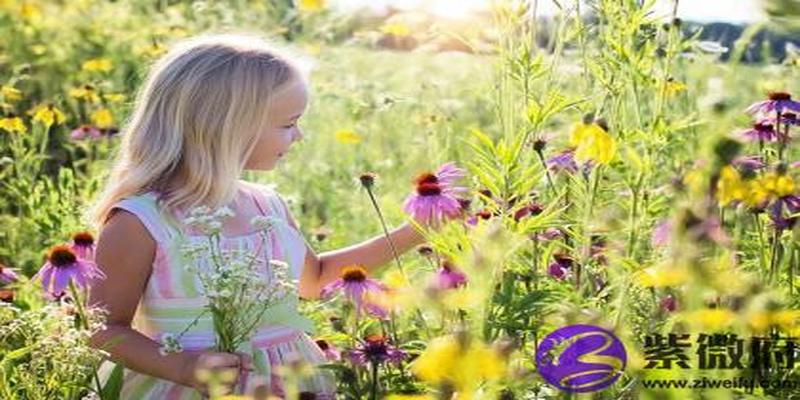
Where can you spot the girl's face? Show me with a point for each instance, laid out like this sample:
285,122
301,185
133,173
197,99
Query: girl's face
274,143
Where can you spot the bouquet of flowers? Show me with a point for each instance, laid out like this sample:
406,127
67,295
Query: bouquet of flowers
239,291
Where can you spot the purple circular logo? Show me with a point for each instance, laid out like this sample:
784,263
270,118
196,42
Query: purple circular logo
581,358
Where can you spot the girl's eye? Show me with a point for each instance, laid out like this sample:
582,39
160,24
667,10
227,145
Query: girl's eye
290,126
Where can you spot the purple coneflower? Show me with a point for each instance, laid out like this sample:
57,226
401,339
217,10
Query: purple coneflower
668,303
480,215
661,232
436,195
560,268
356,286
792,204
749,163
64,265
448,277
83,244
6,295
778,101
7,275
532,208
85,131
332,354
375,349
565,161
548,234
761,131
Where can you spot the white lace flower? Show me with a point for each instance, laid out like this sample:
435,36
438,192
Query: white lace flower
263,223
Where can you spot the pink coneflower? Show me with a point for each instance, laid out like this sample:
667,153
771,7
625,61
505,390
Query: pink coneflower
7,275
375,349
668,303
661,233
548,234
531,209
749,163
6,295
64,265
565,162
449,277
85,131
356,286
560,268
778,101
83,244
332,354
480,215
436,195
792,205
761,131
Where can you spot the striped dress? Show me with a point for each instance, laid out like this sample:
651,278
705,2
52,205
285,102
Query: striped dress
173,298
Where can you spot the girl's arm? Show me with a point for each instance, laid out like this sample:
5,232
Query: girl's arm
125,253
321,269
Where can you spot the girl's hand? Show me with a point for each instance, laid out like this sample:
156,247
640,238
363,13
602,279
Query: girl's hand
229,367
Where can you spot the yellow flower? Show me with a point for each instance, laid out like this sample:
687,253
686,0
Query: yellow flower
396,29
768,186
114,97
592,143
784,319
310,5
661,276
347,136
711,318
38,49
97,65
152,50
13,124
85,92
447,361
102,118
30,11
673,87
10,93
730,186
47,115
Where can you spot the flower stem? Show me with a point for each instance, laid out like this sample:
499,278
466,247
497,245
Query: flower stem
385,230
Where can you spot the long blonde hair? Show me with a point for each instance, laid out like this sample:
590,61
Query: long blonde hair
196,121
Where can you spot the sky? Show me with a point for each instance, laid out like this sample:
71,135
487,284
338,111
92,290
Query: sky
735,11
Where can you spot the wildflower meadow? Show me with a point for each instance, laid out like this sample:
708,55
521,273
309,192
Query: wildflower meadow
609,200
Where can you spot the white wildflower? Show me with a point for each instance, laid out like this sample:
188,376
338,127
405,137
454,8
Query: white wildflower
170,344
263,223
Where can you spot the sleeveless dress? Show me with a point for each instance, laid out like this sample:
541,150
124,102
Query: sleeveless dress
173,299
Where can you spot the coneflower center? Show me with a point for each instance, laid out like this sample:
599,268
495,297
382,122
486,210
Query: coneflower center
354,274
62,256
83,239
428,185
779,96
763,127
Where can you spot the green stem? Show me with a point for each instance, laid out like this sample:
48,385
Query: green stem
385,230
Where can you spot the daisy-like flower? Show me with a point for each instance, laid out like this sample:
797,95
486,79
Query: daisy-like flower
355,285
332,354
85,131
375,349
778,101
83,245
449,277
436,195
761,131
7,275
64,265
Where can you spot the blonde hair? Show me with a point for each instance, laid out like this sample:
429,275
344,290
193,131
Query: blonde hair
196,121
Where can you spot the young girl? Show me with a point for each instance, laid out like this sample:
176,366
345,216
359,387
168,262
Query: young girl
211,108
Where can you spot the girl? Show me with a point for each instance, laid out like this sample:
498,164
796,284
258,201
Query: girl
211,108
